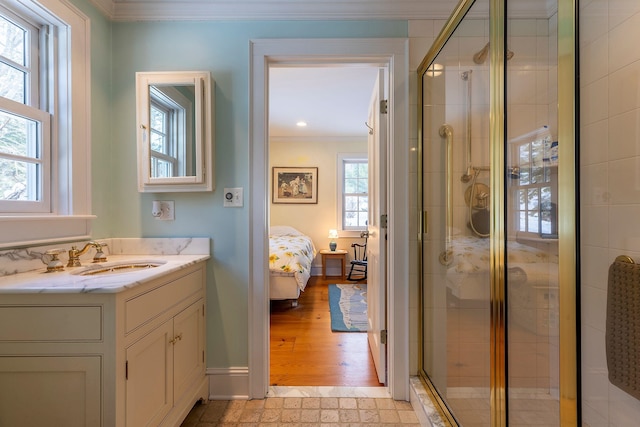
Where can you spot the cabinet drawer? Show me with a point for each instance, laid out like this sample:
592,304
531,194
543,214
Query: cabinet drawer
145,307
50,323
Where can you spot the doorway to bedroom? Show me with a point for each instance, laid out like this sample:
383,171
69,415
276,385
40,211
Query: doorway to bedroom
393,303
319,136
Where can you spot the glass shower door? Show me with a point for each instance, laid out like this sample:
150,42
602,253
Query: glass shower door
497,193
531,235
455,246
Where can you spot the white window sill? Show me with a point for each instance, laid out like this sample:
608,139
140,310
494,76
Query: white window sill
27,230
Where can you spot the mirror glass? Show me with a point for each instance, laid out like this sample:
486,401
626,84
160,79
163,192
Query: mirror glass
174,131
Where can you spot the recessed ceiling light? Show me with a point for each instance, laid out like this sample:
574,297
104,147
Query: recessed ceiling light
301,124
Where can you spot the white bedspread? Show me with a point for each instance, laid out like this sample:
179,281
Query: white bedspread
291,252
468,273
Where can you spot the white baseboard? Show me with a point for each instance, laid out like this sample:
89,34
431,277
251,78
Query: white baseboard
228,383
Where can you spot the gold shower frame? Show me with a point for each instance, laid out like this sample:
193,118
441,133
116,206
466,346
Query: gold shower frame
567,213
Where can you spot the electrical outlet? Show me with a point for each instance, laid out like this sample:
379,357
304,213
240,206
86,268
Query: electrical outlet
232,197
163,210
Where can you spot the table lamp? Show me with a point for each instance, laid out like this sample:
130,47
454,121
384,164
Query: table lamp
333,234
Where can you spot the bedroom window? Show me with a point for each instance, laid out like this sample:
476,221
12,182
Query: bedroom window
534,180
354,191
45,122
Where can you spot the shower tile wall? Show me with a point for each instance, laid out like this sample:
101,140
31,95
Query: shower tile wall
609,186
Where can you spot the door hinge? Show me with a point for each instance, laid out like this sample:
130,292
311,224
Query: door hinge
384,106
383,336
202,310
202,356
383,221
126,370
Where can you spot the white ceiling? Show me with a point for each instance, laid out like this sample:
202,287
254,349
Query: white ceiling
333,101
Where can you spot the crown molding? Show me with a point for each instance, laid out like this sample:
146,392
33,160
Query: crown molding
235,10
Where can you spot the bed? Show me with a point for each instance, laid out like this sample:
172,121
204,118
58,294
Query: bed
532,280
291,255
468,270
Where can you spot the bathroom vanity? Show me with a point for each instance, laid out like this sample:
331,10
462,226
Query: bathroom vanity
96,346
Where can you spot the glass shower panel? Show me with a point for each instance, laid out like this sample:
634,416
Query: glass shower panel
456,196
532,202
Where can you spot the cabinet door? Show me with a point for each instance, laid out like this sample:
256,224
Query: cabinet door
50,391
188,351
149,389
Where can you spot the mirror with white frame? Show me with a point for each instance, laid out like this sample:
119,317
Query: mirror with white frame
175,131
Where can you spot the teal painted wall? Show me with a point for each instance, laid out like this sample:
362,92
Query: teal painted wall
118,51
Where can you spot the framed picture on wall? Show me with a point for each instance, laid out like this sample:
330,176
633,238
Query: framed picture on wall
295,185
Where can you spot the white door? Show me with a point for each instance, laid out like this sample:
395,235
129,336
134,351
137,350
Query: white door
376,245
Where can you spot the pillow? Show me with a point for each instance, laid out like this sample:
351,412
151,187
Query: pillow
283,230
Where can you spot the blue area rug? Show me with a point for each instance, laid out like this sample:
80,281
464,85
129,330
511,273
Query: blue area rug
348,307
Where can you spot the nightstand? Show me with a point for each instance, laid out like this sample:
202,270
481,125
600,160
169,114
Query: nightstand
339,254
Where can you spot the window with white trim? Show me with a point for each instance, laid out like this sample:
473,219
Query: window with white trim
25,138
45,126
534,182
353,182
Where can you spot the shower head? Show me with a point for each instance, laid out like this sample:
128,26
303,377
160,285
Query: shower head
481,55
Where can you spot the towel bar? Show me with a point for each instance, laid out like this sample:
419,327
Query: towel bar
625,258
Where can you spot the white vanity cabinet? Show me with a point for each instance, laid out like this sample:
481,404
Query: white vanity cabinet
122,359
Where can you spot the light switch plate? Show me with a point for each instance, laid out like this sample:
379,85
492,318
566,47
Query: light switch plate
233,197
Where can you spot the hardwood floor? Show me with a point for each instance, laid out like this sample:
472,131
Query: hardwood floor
305,352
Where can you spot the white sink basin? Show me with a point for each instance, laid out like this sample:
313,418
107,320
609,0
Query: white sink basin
117,268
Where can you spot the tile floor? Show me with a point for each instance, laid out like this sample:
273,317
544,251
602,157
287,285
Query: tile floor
303,411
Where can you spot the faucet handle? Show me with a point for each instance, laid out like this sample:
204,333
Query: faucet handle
50,258
100,256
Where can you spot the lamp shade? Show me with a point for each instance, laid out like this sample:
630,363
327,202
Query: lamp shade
333,234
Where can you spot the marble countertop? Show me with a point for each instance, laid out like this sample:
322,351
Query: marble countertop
22,270
69,281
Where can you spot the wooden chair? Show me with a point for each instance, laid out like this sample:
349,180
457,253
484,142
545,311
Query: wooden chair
358,269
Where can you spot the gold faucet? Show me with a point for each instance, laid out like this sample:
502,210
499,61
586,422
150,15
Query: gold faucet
74,253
